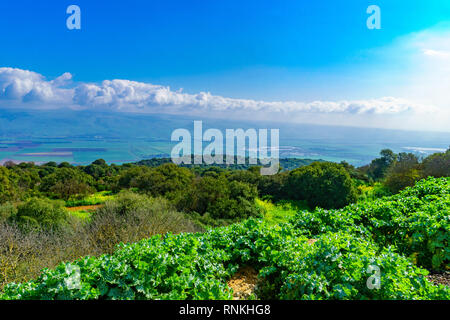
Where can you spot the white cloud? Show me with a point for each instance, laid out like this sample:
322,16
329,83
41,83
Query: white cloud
27,88
436,53
137,96
62,79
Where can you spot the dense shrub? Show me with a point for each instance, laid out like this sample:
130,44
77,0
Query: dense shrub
322,184
8,192
212,199
269,186
437,165
130,218
216,201
196,266
39,213
415,221
336,267
378,167
166,180
399,178
7,210
66,183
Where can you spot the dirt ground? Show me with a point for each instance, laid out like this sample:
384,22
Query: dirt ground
440,278
84,208
244,283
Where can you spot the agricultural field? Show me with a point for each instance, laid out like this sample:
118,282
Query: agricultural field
296,254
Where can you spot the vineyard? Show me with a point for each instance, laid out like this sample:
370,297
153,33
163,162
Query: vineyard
320,254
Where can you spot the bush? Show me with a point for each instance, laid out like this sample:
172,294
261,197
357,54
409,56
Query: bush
336,267
131,217
216,201
24,252
166,180
404,172
321,184
437,165
8,191
67,183
196,266
416,221
7,210
377,169
39,213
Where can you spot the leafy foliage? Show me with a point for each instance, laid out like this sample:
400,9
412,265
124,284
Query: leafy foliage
25,249
195,266
320,254
416,221
39,213
66,183
323,184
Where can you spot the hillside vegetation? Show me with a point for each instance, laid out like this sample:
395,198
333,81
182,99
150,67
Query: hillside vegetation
52,214
320,254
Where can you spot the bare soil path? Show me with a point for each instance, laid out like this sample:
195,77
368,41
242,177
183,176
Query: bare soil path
243,283
84,208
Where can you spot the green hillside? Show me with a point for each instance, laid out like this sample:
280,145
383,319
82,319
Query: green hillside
321,254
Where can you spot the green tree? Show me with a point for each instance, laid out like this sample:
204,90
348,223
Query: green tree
403,173
166,180
7,189
321,184
219,201
65,183
379,166
437,165
65,165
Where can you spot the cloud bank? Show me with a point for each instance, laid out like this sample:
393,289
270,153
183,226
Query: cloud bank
22,89
24,86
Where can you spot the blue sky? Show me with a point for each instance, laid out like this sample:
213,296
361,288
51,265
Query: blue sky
261,50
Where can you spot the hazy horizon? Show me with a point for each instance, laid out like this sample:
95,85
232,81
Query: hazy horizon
82,136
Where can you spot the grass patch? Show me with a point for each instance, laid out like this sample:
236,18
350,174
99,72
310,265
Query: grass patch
282,211
91,200
83,212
